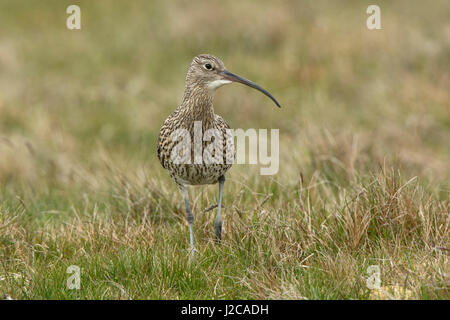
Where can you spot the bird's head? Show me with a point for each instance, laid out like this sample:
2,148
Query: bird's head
209,71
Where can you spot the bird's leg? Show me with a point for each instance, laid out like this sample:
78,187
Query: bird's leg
218,222
190,220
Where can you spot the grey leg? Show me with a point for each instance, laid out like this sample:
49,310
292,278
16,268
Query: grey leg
190,220
218,222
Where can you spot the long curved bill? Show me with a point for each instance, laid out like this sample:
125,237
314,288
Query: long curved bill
234,77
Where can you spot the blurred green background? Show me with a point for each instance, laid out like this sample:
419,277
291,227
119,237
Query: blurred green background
110,85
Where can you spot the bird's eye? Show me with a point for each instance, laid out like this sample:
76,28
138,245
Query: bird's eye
208,66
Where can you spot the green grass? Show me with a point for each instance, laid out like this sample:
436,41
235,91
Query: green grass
364,133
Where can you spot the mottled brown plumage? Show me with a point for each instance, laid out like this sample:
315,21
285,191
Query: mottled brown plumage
197,105
206,73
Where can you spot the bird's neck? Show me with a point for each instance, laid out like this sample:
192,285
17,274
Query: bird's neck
197,105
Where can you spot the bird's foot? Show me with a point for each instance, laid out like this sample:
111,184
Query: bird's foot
218,232
192,254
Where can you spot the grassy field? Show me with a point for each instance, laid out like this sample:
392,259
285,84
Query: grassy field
364,150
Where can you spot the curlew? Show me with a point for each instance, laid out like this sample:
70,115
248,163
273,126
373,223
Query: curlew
206,74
